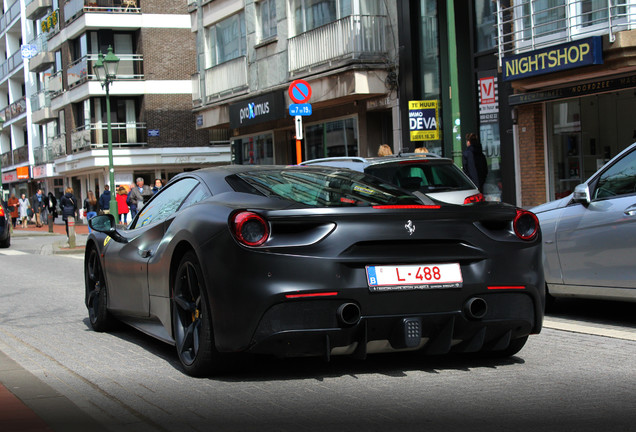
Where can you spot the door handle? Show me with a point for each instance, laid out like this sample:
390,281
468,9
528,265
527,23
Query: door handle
630,211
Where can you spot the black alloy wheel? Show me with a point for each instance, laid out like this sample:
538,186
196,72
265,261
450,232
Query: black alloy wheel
96,293
191,319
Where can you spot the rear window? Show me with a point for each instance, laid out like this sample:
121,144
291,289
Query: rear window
422,176
322,188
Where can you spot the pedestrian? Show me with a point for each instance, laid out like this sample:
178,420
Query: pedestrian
25,205
474,162
38,205
122,207
91,207
385,150
51,205
138,195
68,205
13,206
158,185
104,201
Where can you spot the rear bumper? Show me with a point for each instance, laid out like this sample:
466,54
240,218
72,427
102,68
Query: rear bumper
313,328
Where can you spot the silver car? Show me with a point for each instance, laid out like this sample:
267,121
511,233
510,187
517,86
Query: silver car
589,237
425,173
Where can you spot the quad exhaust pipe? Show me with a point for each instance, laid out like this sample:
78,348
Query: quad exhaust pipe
348,314
475,308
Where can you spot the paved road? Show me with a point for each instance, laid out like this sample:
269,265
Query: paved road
562,380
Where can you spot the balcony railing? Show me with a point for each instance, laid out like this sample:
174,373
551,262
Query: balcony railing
356,37
94,136
55,83
15,109
41,100
11,13
58,144
21,154
196,89
225,79
6,159
43,155
528,24
130,67
12,62
75,8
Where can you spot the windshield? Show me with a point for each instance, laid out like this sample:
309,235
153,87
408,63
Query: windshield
422,176
323,188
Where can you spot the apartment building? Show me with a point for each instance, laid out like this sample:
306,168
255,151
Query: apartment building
64,141
249,52
571,67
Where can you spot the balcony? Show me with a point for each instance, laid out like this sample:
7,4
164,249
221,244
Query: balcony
12,63
528,25
94,136
15,110
58,145
20,155
226,79
75,8
10,14
6,159
36,9
43,155
41,107
354,38
81,70
196,89
44,59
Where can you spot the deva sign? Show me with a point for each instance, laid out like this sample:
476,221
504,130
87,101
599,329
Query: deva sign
583,52
424,120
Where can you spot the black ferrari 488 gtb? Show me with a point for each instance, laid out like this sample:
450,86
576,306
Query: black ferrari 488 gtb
298,261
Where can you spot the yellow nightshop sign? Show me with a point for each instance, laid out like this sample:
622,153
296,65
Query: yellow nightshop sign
424,120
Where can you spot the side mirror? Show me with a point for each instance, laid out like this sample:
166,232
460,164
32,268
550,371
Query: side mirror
106,224
581,194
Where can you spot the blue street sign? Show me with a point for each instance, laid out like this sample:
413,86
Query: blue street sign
153,132
300,109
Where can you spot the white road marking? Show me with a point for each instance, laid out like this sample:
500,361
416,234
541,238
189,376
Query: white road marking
12,252
578,327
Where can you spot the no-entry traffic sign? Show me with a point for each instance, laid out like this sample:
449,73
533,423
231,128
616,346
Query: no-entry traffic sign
299,91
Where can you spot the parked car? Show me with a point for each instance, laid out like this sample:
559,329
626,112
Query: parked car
589,235
298,261
5,226
427,173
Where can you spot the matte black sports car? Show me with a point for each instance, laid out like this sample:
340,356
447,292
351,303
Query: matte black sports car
320,261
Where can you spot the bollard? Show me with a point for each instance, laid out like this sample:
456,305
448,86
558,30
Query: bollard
50,217
71,232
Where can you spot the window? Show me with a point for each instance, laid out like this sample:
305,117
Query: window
165,203
485,24
255,150
335,138
226,40
198,194
619,179
266,10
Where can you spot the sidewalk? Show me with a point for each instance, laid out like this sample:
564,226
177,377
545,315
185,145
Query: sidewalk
61,246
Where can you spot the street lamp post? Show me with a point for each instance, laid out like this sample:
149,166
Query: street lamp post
105,69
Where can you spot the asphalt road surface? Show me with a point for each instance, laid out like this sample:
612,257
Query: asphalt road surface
577,375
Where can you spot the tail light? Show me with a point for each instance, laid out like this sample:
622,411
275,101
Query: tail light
1,211
250,229
474,198
525,225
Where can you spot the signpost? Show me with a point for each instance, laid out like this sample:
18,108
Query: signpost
299,92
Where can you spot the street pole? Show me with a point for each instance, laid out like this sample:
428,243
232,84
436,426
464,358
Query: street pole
111,166
454,83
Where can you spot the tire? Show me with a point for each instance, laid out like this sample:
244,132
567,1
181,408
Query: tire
192,321
96,293
6,242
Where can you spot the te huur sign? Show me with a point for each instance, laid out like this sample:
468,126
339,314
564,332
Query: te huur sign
583,52
424,120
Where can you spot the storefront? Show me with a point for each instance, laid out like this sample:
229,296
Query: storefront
16,182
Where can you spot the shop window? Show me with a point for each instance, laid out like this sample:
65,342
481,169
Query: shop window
254,150
331,139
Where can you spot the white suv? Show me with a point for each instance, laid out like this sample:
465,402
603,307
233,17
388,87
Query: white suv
435,176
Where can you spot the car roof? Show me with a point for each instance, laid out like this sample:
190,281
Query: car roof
359,163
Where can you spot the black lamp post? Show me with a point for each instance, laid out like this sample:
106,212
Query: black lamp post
105,69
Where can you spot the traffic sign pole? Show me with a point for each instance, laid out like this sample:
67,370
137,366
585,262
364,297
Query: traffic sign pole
298,121
300,92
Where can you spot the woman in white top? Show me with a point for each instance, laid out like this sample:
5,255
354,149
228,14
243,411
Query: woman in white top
24,208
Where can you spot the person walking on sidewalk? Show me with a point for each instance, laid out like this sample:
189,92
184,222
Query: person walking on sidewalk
122,207
137,196
104,200
51,205
91,207
38,205
68,205
14,205
24,210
